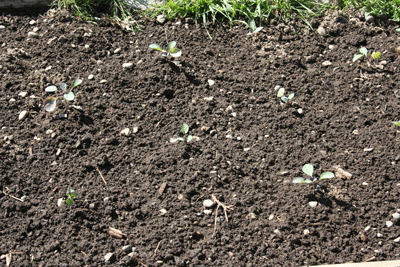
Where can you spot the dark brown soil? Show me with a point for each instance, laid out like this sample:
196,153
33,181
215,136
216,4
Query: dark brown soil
248,144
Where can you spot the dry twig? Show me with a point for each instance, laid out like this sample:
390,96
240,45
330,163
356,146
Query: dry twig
4,192
104,180
155,251
224,207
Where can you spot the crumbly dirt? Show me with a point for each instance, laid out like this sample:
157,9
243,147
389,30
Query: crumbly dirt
248,145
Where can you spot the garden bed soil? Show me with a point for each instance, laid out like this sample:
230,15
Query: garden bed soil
248,144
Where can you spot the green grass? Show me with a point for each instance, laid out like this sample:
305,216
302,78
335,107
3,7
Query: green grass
388,8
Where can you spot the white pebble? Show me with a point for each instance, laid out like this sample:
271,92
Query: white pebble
389,224
368,149
326,63
23,115
12,100
2,27
211,82
331,47
277,87
397,240
300,111
277,232
125,131
103,81
211,98
32,34
127,248
313,204
321,31
229,136
127,65
271,217
207,212
32,22
23,94
116,51
233,114
108,256
306,232
379,235
60,202
90,77
163,211
396,216
246,149
367,228
208,203
365,183
135,129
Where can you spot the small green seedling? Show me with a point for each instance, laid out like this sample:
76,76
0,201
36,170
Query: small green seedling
184,130
364,53
71,195
397,123
50,102
309,170
281,95
171,50
253,28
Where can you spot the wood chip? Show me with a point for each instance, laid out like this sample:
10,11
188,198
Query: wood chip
116,233
340,173
162,188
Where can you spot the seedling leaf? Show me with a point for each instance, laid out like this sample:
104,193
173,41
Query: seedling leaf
69,201
50,104
184,128
70,96
180,139
291,96
189,138
77,107
156,47
175,52
170,46
51,89
357,57
173,139
298,180
63,87
364,51
308,181
281,92
284,99
326,175
308,169
376,55
76,82
397,123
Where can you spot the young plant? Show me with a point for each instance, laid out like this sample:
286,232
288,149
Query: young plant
364,53
281,95
71,195
184,130
309,170
171,50
397,123
50,102
253,28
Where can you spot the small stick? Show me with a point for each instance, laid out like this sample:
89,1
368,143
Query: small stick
224,207
155,251
104,180
4,192
84,253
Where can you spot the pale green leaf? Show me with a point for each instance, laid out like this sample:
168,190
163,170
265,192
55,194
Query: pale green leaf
156,47
308,169
70,96
63,87
69,201
51,89
173,139
376,55
364,51
357,57
180,139
189,138
291,96
397,123
308,181
252,25
175,52
76,82
184,128
50,104
298,180
170,46
326,175
284,99
281,92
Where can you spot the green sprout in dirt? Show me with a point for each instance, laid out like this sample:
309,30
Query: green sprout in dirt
171,50
281,95
309,170
397,123
71,195
50,102
184,130
364,53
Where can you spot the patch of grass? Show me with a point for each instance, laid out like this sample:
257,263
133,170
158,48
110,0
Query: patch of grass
87,10
389,8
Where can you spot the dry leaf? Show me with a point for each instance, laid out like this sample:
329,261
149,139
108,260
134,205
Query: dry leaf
162,188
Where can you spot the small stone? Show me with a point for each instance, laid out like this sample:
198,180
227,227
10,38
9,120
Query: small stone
116,51
127,248
92,206
58,152
397,158
233,114
32,34
277,87
60,202
271,217
355,132
228,136
331,47
125,131
396,216
163,211
12,100
321,31
49,131
161,19
211,82
397,240
90,77
306,232
313,204
135,129
326,63
277,232
127,65
246,149
105,200
211,98
367,228
300,111
63,116
180,197
251,216
207,212
109,257
2,27
368,149
32,22
36,29
208,203
23,94
369,18
379,235
103,81
229,108
389,224
23,115
205,128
